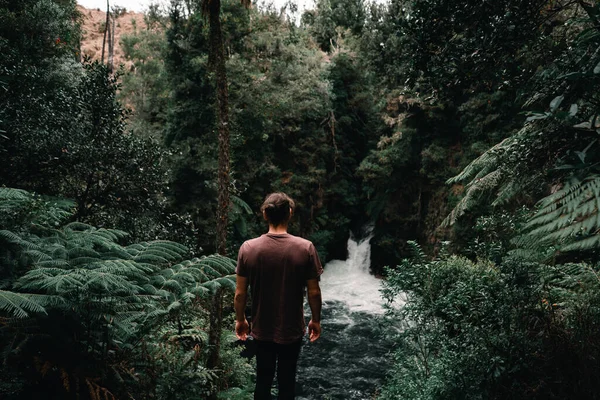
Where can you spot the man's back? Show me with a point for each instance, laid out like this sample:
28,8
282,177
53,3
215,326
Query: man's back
277,267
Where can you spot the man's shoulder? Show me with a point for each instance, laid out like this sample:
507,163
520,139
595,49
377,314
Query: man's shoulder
252,242
263,239
300,240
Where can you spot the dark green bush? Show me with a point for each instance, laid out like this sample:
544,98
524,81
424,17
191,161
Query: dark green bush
516,330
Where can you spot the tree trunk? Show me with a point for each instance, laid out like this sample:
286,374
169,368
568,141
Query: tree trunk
105,30
214,335
217,61
111,44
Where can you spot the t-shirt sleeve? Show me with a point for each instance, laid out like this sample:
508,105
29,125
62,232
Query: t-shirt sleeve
240,268
315,269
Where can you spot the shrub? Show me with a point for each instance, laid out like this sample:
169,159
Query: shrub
515,330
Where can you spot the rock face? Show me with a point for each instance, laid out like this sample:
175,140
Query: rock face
93,22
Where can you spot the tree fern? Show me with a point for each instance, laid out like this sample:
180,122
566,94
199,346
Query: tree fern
13,238
482,165
200,276
112,296
239,212
19,305
568,219
10,194
502,172
567,281
20,205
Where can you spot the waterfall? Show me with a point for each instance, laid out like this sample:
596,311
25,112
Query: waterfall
349,281
350,360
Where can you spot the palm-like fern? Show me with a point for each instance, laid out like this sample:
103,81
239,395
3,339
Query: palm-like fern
239,212
110,297
18,305
87,268
568,219
499,174
17,204
199,276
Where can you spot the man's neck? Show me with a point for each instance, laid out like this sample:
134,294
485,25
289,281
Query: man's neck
279,229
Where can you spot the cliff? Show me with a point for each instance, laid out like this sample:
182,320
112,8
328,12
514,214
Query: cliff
93,22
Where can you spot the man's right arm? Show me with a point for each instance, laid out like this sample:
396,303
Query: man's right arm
239,304
314,301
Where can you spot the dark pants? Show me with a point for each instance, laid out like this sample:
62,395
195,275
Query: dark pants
285,356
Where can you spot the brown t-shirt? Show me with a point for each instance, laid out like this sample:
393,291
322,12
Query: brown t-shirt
277,267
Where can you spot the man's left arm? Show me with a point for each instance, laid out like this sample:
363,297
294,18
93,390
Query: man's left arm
239,303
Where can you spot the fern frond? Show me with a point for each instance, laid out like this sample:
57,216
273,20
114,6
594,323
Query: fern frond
19,305
79,226
591,242
13,194
417,253
200,290
222,264
574,277
174,306
227,282
171,285
53,264
13,238
568,218
114,235
474,190
38,256
240,205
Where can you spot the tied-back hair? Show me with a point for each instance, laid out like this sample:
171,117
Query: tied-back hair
277,208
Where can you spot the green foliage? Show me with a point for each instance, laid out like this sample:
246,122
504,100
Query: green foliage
36,31
448,49
300,123
567,219
119,304
88,157
19,206
554,152
486,331
18,305
454,77
63,129
145,87
331,20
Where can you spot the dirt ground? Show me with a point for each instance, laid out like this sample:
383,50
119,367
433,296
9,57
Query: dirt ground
93,34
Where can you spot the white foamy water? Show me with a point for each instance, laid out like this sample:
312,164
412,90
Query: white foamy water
351,358
350,282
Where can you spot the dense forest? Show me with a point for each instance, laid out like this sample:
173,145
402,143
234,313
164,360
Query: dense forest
465,134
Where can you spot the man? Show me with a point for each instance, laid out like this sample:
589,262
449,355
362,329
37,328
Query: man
277,266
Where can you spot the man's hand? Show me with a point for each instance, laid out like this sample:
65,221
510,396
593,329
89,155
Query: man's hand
314,301
242,329
239,304
314,330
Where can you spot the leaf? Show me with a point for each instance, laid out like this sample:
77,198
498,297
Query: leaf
597,68
573,110
18,305
535,116
555,103
571,76
583,125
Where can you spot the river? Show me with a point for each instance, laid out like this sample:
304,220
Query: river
351,358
